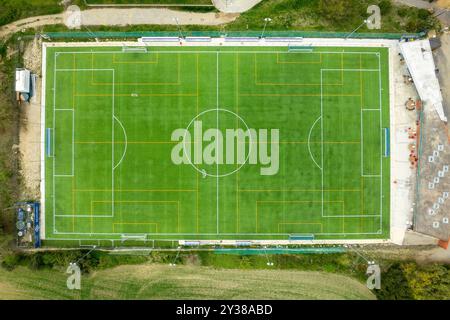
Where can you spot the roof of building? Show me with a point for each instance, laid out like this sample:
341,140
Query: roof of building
23,80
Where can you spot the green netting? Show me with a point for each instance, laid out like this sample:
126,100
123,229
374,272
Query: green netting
304,34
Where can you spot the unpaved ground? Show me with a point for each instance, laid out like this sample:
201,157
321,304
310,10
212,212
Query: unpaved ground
30,127
33,22
438,7
420,254
235,5
442,60
122,17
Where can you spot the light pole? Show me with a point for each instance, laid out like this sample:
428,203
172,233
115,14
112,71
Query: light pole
178,25
364,22
266,21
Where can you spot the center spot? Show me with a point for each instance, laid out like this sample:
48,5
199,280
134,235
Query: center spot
217,142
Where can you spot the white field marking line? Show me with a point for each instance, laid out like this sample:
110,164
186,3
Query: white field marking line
43,108
54,135
208,234
362,145
73,133
284,52
112,147
73,143
80,69
126,142
362,142
49,143
381,144
321,136
346,69
212,52
88,216
309,138
217,145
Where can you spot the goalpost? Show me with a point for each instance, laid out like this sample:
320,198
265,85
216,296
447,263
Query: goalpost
294,48
134,49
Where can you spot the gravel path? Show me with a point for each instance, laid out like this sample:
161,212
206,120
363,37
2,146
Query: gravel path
122,17
437,6
32,22
234,6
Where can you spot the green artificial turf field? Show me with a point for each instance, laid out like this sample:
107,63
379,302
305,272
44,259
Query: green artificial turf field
115,119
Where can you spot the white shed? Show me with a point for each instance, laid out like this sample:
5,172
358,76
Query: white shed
23,80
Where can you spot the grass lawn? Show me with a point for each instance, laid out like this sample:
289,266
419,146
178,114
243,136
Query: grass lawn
154,281
113,123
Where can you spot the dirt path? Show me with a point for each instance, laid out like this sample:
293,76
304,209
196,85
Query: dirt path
32,22
30,127
122,17
439,7
442,60
233,6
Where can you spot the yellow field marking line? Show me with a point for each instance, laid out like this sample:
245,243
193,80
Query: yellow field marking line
136,190
297,190
73,204
289,201
295,84
73,82
129,142
140,95
136,223
198,173
307,223
142,201
300,62
137,62
343,216
137,83
92,67
146,83
258,83
296,95
190,142
342,68
361,106
237,124
360,82
73,108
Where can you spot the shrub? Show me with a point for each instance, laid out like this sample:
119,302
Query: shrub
11,261
385,6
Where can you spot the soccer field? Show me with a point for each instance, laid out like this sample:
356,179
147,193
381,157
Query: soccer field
238,143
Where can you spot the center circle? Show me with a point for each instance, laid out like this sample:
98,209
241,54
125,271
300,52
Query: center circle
217,110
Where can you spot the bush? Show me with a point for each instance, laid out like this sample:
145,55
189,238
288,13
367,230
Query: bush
3,50
407,280
385,6
402,12
11,261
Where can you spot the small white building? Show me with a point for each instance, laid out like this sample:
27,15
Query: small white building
23,80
